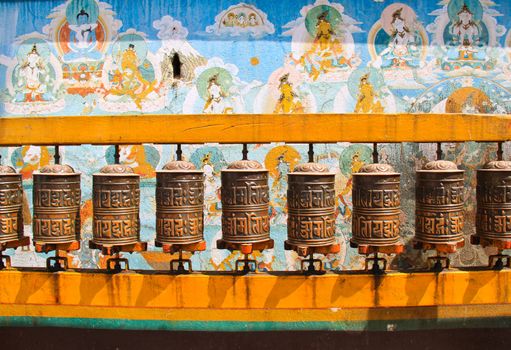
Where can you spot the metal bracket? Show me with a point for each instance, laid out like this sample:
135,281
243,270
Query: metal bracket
440,263
496,262
5,262
177,266
117,265
311,268
377,268
249,265
56,263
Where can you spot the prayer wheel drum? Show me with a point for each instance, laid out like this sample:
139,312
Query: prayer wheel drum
493,221
245,204
116,205
439,212
311,206
11,205
179,204
376,206
56,201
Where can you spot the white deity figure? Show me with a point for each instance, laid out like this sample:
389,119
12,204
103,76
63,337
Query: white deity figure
402,50
83,39
32,78
465,33
216,97
465,30
242,20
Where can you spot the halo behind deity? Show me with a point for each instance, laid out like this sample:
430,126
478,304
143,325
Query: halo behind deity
362,153
288,153
26,46
90,7
223,78
405,12
124,42
474,6
374,77
332,16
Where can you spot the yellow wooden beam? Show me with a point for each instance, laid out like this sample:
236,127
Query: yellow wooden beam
196,291
254,128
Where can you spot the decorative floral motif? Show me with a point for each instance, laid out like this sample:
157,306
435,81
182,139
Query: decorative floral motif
179,165
57,169
311,168
440,165
498,165
377,168
5,169
245,165
117,169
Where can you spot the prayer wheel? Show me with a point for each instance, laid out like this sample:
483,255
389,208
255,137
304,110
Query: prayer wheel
311,206
439,212
376,206
56,201
116,205
245,204
11,205
179,204
493,221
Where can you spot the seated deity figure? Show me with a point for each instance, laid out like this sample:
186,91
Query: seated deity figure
367,101
129,80
324,32
326,54
402,51
230,20
252,20
287,103
82,39
32,79
242,20
215,102
465,37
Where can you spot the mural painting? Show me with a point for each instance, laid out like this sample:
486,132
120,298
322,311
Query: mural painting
90,57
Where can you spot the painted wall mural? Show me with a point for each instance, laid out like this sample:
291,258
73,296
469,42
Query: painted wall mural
90,57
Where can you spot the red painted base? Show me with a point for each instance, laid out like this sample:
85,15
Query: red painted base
245,248
107,249
447,248
304,251
49,247
500,244
174,248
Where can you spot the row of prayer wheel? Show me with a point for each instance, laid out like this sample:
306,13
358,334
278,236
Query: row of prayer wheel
376,219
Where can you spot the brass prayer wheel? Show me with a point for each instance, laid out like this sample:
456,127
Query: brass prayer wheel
376,206
245,204
311,206
179,204
11,205
116,205
494,201
56,201
439,196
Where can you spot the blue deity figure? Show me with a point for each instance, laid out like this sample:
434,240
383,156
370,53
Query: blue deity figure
402,50
82,38
465,43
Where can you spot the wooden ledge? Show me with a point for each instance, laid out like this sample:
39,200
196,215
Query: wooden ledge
214,302
253,128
